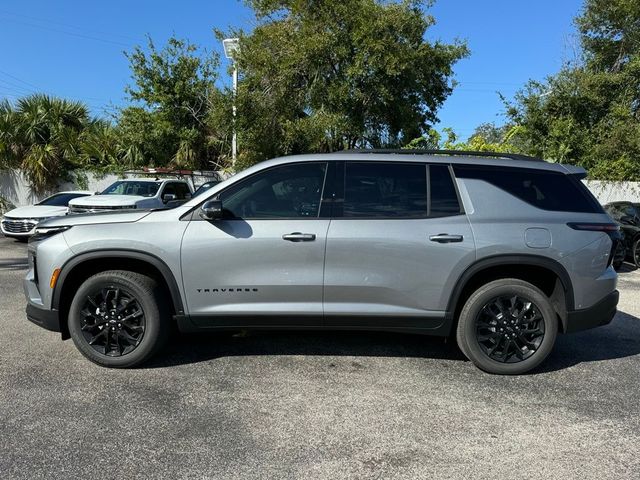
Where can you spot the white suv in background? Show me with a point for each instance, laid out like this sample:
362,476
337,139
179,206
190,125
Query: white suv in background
21,222
134,193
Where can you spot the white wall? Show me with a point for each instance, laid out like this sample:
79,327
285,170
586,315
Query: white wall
607,192
14,187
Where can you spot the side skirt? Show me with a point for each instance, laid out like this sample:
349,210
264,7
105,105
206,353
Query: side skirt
438,325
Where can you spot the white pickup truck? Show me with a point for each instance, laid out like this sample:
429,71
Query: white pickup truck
135,193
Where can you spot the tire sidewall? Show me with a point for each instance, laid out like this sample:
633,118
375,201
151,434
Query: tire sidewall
149,306
634,248
467,326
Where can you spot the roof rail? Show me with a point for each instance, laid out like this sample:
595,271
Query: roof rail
465,153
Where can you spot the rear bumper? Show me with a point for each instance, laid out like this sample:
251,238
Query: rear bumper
49,319
595,316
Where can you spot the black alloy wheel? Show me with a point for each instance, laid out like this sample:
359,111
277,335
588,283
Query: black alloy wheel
119,318
507,326
112,321
510,329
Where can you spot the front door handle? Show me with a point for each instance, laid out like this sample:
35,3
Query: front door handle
446,238
299,237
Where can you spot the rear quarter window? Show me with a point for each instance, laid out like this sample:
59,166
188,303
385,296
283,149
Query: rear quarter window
543,189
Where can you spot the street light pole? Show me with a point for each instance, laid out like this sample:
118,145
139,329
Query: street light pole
234,138
231,46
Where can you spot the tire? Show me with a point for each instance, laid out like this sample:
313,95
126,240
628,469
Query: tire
123,337
520,349
635,252
619,256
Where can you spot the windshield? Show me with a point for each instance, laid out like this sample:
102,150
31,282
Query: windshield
204,187
128,187
61,199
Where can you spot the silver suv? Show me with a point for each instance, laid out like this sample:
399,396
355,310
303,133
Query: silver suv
502,251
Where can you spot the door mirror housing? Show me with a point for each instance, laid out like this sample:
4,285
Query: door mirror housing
168,197
211,210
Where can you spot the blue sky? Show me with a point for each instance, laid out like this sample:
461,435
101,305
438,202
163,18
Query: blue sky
74,48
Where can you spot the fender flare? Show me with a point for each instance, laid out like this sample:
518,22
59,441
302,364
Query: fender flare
511,259
146,257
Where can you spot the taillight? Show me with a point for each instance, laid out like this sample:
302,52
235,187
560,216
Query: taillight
595,227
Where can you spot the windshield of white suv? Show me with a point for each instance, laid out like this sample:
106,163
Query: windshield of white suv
128,187
61,199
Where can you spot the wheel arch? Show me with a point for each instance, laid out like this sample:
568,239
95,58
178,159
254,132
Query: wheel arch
547,274
80,267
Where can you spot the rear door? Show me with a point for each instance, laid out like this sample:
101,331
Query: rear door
397,241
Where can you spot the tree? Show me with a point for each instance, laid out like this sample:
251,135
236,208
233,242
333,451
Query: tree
325,76
589,112
41,136
173,94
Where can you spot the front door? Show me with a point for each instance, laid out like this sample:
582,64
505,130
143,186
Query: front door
262,264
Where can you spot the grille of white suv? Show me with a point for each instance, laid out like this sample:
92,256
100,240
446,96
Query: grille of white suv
19,225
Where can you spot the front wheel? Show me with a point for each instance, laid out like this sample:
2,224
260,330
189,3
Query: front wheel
118,318
507,327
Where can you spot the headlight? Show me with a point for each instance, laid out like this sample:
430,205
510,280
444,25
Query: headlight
45,232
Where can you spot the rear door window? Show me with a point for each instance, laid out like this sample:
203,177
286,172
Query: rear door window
444,198
385,190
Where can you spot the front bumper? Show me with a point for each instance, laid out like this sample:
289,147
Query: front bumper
595,316
49,319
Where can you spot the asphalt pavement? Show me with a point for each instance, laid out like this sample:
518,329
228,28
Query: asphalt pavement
316,405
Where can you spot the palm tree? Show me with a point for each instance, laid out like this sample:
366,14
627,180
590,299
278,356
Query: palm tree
41,136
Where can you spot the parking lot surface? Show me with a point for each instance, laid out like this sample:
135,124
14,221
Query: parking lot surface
315,405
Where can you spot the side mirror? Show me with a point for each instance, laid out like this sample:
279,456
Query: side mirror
211,210
168,197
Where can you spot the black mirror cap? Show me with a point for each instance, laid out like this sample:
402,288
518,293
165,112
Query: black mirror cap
211,210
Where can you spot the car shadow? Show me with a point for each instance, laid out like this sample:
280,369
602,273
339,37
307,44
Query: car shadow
627,268
620,339
194,348
16,263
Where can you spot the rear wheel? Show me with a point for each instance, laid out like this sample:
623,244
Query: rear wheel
618,257
118,318
635,252
507,326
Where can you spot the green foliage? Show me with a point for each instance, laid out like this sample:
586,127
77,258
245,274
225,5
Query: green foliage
41,136
52,139
589,113
173,93
325,76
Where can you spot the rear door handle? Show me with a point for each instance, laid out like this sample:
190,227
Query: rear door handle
446,238
299,237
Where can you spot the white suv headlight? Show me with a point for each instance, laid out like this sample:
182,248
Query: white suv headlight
45,232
